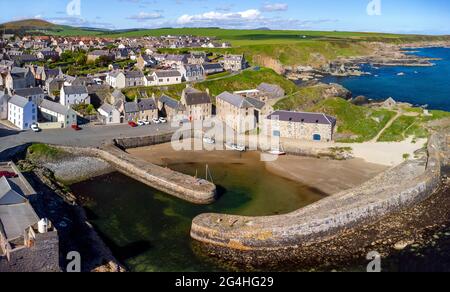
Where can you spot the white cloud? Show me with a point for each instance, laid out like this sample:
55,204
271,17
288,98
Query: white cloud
146,16
214,17
276,7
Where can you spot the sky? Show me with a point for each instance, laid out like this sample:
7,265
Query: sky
396,16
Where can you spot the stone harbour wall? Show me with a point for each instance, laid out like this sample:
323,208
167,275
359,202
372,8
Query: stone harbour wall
182,186
260,239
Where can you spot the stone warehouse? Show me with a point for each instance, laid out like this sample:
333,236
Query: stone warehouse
300,125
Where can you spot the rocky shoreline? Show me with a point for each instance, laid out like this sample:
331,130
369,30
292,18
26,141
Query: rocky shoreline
382,55
56,202
415,239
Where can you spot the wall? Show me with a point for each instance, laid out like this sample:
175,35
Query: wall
262,239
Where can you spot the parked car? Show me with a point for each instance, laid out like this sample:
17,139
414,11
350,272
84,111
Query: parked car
76,128
147,122
35,128
132,124
162,120
8,174
141,123
156,121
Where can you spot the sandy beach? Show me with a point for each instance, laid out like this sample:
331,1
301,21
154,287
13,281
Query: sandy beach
328,176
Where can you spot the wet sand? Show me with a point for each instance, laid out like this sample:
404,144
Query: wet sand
328,176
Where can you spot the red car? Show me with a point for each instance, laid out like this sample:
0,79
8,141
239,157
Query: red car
76,128
132,124
8,174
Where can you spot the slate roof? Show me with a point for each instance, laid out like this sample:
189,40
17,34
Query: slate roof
29,91
118,95
170,102
303,117
212,66
196,97
167,73
75,90
18,100
107,108
16,214
131,107
54,107
134,74
271,89
147,104
235,100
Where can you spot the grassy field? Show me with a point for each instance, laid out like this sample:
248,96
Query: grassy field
411,126
248,79
42,152
355,123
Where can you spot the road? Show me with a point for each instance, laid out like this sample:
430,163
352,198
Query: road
89,136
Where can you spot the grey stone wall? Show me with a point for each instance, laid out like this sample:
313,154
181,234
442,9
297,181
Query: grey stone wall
391,191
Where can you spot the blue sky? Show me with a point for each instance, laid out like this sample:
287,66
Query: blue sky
402,16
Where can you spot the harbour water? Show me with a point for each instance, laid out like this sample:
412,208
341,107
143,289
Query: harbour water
416,85
149,231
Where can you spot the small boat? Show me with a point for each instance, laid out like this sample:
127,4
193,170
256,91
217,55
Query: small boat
277,151
235,147
210,141
401,74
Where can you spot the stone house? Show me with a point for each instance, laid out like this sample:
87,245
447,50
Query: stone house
270,91
197,104
234,62
97,54
54,112
147,109
239,113
19,78
192,73
212,68
131,111
170,108
121,80
175,61
146,61
197,59
300,126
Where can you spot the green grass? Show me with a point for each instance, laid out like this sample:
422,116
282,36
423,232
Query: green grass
248,79
411,126
43,152
218,75
355,123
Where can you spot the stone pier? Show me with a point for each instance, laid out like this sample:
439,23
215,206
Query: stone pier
185,187
263,239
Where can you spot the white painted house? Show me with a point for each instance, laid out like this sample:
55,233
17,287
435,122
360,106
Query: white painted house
22,112
57,113
166,77
71,95
109,114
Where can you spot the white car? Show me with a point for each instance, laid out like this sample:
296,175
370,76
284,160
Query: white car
146,122
141,123
156,121
35,128
162,120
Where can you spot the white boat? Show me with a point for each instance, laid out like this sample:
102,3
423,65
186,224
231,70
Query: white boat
210,141
235,147
277,151
401,74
